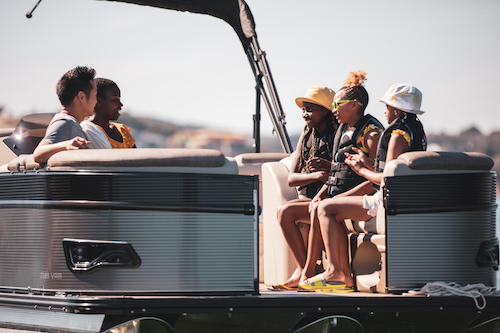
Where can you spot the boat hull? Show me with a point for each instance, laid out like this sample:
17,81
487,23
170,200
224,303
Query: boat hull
191,233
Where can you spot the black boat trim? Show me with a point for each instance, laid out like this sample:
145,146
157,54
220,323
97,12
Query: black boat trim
444,209
115,205
308,302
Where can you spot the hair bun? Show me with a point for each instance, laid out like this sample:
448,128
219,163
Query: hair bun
355,79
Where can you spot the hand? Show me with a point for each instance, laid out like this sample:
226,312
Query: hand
318,164
363,158
314,203
322,176
76,143
354,161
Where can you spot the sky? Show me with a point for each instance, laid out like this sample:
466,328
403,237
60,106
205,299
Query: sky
191,68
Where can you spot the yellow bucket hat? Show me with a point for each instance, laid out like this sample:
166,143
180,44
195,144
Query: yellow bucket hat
317,95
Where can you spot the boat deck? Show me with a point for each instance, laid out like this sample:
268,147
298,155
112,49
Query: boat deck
265,299
267,311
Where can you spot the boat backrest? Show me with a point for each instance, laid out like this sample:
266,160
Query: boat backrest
278,260
251,163
144,159
431,162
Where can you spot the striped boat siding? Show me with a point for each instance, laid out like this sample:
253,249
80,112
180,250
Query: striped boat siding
180,251
439,246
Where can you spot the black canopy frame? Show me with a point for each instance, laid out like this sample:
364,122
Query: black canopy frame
237,14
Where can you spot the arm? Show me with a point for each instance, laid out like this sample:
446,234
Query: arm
318,197
300,179
397,146
371,142
359,190
45,150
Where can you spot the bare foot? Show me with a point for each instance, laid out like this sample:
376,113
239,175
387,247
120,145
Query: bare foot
339,276
292,282
318,269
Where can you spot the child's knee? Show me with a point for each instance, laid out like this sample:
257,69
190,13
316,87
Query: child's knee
282,212
321,210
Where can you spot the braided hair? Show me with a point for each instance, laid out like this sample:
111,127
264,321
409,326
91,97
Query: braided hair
353,89
332,126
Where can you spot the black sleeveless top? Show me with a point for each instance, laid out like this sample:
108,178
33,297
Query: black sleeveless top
324,148
409,124
342,177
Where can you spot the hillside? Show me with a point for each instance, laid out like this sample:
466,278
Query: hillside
154,133
469,140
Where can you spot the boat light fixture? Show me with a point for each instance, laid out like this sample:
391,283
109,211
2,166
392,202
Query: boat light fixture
86,255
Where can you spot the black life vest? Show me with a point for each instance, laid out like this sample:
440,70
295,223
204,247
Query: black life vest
324,148
410,124
343,178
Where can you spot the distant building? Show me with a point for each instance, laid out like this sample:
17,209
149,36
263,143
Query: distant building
228,143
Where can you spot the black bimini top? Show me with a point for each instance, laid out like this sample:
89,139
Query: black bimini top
235,12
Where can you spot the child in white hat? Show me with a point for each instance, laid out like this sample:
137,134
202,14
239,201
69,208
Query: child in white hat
405,133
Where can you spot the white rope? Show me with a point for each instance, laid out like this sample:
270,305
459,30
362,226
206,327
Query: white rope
475,291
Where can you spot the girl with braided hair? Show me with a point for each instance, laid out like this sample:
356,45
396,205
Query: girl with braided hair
315,143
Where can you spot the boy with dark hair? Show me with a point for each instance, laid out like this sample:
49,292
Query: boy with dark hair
77,92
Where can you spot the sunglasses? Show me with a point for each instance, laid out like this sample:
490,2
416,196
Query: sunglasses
336,104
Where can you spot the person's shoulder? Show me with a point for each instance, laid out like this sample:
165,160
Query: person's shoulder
401,136
61,121
122,126
87,125
62,127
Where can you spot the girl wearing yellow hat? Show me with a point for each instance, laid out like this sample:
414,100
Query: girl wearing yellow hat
316,142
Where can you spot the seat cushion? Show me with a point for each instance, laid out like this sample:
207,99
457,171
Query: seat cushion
259,157
142,157
358,227
432,160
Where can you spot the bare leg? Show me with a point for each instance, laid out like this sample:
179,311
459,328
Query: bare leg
331,215
304,231
288,216
314,247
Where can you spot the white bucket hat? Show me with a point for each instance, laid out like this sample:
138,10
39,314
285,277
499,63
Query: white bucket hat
403,97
